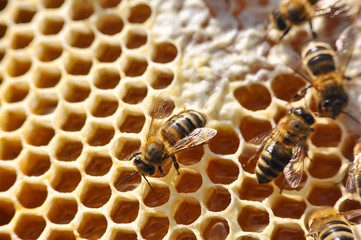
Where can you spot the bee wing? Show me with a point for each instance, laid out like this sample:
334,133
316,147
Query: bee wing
195,138
162,108
338,8
294,169
354,176
351,214
344,46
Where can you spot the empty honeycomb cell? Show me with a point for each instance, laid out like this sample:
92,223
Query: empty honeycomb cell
108,3
7,211
7,178
3,29
135,94
65,179
190,156
106,78
5,236
43,103
164,52
75,92
247,238
323,194
99,134
188,181
10,148
110,24
16,92
225,142
35,163
108,52
253,191
73,120
12,119
161,78
24,14
95,195
81,38
160,198
132,123
186,210
217,198
222,171
324,166
128,185
288,232
38,135
68,149
47,77
285,86
285,207
183,234
51,25
104,106
252,127
253,96
97,164
214,228
124,147
62,210
2,54
18,66
326,135
124,234
155,226
139,13
22,39
124,210
61,235
92,226
3,4
78,66
53,3
347,146
29,226
47,52
252,219
32,195
135,66
81,10
136,38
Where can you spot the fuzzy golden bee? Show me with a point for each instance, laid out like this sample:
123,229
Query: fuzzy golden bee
324,69
353,182
296,12
328,224
282,148
164,139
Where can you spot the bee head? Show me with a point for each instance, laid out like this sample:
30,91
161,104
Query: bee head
278,20
143,167
304,114
334,106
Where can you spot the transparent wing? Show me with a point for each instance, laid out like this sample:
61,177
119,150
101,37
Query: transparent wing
344,46
354,176
294,169
162,107
351,214
195,138
333,8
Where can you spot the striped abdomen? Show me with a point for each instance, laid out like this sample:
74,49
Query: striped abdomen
318,57
336,228
182,125
273,160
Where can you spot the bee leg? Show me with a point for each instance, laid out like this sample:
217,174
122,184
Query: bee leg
347,78
301,93
314,35
134,154
283,186
160,170
175,163
285,32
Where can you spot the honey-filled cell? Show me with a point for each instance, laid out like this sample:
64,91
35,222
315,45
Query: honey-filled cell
29,226
222,171
253,191
139,13
124,210
183,234
97,164
186,210
326,135
287,207
7,211
187,181
32,195
161,196
154,226
61,234
291,231
124,147
217,198
95,195
62,210
130,184
214,228
124,234
285,86
7,178
252,219
325,194
190,156
324,166
253,97
225,142
92,226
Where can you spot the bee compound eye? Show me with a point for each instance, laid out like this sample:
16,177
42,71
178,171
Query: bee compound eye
137,160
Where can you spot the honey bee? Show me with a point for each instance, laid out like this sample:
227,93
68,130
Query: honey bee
164,139
328,224
353,182
297,12
324,69
282,148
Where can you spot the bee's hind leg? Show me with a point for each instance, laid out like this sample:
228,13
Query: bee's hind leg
160,170
175,163
314,35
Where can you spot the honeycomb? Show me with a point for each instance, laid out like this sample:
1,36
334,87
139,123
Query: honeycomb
77,78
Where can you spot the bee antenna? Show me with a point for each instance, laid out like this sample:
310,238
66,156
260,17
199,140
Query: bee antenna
352,117
266,35
149,184
127,178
